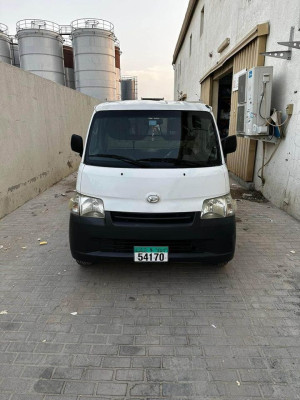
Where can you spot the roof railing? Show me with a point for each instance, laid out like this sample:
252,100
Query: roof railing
128,78
92,23
3,28
39,24
65,29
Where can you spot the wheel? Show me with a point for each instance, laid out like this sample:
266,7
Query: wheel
84,263
219,264
222,264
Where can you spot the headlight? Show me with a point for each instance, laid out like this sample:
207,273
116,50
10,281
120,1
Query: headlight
87,206
218,207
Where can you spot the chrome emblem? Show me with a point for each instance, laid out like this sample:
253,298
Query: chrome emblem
153,198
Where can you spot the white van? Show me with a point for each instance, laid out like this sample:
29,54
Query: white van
153,185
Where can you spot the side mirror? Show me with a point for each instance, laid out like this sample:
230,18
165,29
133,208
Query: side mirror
229,144
77,144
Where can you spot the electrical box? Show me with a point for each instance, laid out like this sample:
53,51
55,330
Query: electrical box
254,102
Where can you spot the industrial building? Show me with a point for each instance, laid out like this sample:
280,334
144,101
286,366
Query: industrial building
69,64
219,42
84,55
118,69
129,88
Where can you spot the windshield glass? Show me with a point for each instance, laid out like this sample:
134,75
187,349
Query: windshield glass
153,139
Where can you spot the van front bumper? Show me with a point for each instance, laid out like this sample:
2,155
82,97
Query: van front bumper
211,240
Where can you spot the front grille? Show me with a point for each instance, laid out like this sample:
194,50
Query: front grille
175,246
152,218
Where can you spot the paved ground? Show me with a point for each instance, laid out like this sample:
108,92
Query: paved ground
181,331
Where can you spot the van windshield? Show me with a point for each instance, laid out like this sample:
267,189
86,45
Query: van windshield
153,139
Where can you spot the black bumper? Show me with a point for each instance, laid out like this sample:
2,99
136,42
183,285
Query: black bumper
211,240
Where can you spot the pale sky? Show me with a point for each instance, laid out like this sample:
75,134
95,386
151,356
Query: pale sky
147,30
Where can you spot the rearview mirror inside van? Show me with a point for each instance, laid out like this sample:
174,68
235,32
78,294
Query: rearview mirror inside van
77,144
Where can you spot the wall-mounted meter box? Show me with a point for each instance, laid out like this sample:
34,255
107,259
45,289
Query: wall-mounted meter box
254,101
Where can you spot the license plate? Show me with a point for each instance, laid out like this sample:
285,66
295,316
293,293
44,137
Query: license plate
151,254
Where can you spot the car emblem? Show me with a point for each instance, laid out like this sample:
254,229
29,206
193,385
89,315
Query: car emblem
153,198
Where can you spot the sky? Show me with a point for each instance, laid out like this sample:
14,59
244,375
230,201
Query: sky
147,30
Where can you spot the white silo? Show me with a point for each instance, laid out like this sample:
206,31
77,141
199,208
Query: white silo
118,69
94,58
41,49
5,52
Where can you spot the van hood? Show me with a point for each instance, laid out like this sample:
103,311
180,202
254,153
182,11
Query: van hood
128,189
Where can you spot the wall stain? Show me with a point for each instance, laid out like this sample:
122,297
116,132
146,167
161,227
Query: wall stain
32,180
15,187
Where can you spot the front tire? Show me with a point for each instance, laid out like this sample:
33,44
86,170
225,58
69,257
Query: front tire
222,264
84,263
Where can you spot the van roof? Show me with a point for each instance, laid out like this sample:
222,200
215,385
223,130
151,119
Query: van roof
152,105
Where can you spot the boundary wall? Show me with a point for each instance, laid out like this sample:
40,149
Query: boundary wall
37,119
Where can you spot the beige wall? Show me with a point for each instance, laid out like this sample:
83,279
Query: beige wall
37,119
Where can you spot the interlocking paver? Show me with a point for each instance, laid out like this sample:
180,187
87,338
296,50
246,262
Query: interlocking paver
182,331
99,374
145,389
116,362
68,373
130,375
48,386
112,389
37,372
74,387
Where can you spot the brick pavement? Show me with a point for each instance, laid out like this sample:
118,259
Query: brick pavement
176,331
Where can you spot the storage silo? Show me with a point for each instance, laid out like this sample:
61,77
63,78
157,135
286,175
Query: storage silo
129,88
14,47
5,52
41,49
118,69
69,64
94,58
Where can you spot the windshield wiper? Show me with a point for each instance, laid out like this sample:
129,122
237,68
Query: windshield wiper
178,162
167,160
196,163
121,158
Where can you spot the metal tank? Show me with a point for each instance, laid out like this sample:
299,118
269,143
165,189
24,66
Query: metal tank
129,87
118,69
5,53
69,64
94,58
14,47
41,49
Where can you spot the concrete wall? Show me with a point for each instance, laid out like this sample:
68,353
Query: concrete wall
37,119
282,174
234,19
